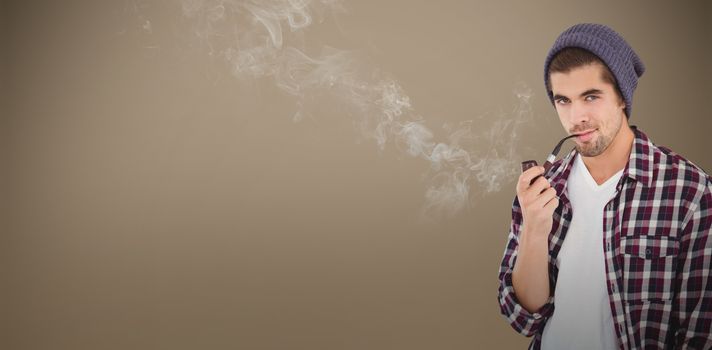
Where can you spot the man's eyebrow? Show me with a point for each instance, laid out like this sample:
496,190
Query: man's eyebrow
591,92
585,93
558,97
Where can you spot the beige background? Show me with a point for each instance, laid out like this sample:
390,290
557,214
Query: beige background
152,200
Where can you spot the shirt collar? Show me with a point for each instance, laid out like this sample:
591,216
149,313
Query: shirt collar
638,168
642,158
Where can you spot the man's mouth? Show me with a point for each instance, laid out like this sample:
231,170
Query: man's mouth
584,135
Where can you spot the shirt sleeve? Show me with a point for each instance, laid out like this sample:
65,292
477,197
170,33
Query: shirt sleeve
693,311
519,318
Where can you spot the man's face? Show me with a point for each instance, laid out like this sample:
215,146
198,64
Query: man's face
585,102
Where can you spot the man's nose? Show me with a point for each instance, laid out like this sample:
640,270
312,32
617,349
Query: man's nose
579,113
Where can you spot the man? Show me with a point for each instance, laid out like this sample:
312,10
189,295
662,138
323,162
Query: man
612,248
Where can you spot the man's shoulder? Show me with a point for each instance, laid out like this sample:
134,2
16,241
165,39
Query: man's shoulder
687,180
670,164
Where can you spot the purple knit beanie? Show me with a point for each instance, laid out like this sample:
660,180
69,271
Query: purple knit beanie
610,47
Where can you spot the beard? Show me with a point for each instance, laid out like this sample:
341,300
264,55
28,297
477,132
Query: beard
599,145
596,148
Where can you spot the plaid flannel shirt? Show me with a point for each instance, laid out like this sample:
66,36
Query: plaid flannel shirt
658,251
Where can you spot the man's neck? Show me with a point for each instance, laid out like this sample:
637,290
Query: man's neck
614,158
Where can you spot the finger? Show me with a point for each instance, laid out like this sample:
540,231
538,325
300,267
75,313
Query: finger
543,198
531,193
540,184
552,204
527,176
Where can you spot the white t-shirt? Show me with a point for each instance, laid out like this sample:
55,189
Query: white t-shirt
582,316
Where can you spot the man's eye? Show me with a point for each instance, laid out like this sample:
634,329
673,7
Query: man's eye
562,101
591,97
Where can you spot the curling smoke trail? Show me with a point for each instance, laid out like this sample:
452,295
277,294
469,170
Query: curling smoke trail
264,39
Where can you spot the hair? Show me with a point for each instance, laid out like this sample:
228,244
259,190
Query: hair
573,57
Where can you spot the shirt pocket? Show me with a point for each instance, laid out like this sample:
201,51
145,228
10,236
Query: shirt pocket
649,267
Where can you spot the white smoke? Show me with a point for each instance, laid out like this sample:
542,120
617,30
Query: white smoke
264,39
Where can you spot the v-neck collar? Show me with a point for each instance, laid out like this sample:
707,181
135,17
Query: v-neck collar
588,178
